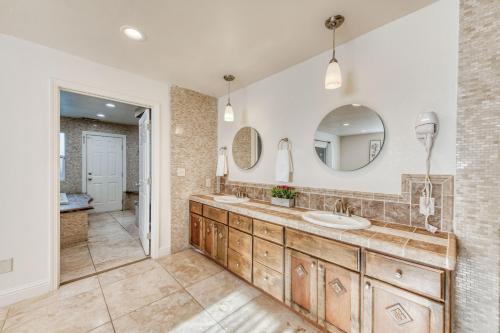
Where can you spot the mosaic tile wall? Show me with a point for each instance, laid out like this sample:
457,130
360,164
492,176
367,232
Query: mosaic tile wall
73,128
393,208
477,216
193,148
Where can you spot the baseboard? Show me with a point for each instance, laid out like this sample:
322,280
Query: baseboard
164,251
28,290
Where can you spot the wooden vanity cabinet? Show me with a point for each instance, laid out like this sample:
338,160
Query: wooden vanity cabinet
209,241
387,308
196,231
301,283
338,298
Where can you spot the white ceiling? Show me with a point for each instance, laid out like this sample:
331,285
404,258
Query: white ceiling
193,43
359,120
81,106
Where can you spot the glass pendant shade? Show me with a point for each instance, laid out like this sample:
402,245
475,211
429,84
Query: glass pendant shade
229,113
333,78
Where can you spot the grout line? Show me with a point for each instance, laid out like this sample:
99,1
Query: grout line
5,320
107,307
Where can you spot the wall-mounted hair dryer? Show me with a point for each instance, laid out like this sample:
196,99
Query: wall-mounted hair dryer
426,129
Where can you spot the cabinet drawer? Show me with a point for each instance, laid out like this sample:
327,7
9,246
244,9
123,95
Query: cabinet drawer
195,207
422,279
268,280
268,254
215,214
239,265
240,222
329,250
240,242
268,231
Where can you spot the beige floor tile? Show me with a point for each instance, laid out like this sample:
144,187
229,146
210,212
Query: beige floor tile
75,262
3,315
139,290
127,271
178,312
65,291
78,313
106,328
222,294
122,213
189,267
264,314
100,217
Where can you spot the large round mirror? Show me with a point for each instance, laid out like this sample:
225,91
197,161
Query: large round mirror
247,147
349,138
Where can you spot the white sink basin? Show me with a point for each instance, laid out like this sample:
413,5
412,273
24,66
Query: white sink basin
230,199
331,220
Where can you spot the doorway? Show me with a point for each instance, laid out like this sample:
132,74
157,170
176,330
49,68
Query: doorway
105,208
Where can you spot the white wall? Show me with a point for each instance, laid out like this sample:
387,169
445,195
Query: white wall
25,94
355,150
401,69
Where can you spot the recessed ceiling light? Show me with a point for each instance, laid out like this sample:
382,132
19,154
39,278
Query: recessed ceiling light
356,104
345,124
101,115
133,33
110,105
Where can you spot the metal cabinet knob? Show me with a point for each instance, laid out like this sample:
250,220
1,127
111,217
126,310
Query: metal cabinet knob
238,242
398,274
266,254
313,264
368,285
237,264
266,277
266,231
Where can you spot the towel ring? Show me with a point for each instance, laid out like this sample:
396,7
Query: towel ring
284,142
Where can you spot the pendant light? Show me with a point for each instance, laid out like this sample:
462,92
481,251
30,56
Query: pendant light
333,77
228,111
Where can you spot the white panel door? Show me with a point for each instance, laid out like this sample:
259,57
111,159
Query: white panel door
145,180
105,172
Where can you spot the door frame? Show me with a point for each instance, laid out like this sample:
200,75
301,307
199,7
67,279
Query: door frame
54,231
84,157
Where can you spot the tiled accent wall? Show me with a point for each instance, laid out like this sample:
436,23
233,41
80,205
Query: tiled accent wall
73,128
477,216
193,148
393,208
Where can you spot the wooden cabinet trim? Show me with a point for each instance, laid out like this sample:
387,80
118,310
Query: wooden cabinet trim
269,231
240,242
215,214
240,222
268,254
435,309
196,231
421,279
196,207
335,252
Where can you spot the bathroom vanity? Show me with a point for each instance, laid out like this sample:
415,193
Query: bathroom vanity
387,278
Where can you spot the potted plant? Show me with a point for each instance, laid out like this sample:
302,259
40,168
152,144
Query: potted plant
283,195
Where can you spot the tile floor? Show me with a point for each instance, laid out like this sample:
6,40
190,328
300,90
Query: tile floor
113,241
184,292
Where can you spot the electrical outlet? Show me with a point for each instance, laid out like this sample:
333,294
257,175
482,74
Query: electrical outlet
181,172
6,265
208,182
424,209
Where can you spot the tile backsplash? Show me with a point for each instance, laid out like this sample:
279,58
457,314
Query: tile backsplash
394,208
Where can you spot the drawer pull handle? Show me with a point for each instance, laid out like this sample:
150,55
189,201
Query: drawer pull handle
266,231
238,222
398,274
313,264
368,285
266,277
266,254
237,264
238,242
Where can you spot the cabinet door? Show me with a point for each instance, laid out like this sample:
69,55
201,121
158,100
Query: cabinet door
338,298
196,231
220,233
390,309
209,242
301,283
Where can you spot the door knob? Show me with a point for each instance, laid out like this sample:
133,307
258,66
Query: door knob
89,179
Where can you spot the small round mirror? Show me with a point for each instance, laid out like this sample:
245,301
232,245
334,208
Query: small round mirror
349,138
247,147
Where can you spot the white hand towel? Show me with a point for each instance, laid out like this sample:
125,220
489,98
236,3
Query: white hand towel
221,165
284,165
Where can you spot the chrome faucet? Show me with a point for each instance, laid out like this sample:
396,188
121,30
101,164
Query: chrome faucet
342,208
239,193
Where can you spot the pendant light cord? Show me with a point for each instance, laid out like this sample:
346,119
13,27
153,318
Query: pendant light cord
228,92
333,55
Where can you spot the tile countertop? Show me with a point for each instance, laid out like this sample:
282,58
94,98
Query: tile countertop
408,242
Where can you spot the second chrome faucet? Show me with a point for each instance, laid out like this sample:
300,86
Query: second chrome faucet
342,208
